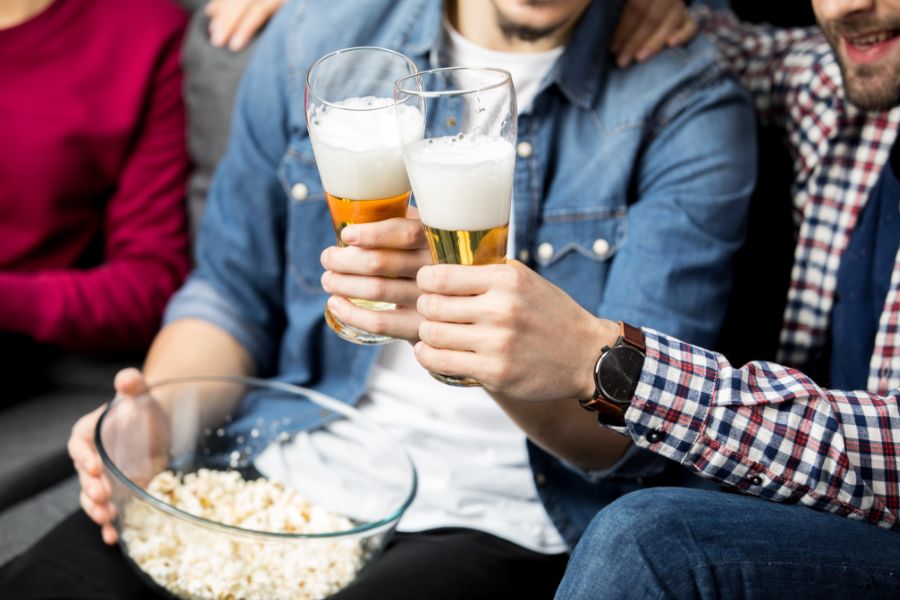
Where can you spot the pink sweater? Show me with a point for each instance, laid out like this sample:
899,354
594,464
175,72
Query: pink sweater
93,165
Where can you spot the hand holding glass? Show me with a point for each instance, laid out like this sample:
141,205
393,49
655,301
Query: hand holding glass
351,122
462,171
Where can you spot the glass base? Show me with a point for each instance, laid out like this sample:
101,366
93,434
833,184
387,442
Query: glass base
352,334
455,381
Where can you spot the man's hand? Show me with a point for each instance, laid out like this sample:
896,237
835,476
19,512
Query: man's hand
96,491
647,26
379,263
235,22
515,332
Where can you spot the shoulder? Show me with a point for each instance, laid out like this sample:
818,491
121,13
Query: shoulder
141,21
674,80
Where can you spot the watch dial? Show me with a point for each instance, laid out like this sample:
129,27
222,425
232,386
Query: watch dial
620,371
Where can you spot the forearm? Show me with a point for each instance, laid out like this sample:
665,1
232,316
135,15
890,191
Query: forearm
112,307
193,347
567,431
768,430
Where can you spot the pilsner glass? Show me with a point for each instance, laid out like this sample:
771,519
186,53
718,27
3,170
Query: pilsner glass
462,171
352,126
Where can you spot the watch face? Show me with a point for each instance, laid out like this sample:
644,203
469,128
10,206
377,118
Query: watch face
619,373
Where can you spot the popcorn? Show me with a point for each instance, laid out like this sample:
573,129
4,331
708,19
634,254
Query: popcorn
198,562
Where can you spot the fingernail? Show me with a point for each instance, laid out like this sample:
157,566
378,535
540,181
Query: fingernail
215,37
350,234
323,257
326,277
624,61
333,303
236,43
417,347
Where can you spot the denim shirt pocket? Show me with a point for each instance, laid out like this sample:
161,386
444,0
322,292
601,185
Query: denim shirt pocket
575,248
309,228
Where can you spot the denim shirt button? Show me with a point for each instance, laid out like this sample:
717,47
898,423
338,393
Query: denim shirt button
600,246
755,480
540,479
524,255
654,435
299,191
545,251
524,150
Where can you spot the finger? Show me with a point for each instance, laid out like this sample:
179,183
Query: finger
98,513
381,262
82,452
632,13
659,37
381,289
223,25
449,336
108,532
93,488
639,36
401,323
212,7
457,280
450,309
254,18
129,382
447,362
685,33
405,234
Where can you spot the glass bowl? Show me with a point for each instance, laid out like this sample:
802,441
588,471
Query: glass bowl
212,504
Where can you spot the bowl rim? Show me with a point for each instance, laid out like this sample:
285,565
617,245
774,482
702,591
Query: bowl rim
322,399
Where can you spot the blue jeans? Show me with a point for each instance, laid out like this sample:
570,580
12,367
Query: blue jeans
683,543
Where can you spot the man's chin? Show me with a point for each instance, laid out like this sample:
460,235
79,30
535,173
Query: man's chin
873,93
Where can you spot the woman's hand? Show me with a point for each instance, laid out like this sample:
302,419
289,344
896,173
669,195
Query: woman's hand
647,26
235,22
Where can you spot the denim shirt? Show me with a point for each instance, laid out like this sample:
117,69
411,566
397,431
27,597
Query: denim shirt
630,193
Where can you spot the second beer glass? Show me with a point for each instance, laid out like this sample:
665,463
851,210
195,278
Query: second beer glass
462,171
352,126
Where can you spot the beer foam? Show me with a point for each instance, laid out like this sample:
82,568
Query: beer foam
461,183
358,149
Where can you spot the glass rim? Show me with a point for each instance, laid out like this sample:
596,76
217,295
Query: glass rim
311,91
505,80
317,397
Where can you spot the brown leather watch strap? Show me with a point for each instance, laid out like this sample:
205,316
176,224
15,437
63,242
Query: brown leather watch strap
633,335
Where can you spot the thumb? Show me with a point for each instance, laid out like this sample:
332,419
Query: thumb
130,382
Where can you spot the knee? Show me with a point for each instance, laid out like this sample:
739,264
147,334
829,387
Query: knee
631,548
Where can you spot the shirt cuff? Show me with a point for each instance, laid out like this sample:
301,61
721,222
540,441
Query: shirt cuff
672,401
198,299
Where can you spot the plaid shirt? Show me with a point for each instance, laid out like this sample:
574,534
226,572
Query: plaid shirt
767,429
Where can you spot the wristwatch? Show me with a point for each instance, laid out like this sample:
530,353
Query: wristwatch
616,376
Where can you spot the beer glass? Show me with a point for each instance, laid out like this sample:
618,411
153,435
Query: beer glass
352,126
462,170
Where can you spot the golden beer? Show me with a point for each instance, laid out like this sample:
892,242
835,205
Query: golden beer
358,154
463,189
345,211
485,247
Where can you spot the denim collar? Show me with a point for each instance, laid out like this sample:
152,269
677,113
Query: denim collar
579,74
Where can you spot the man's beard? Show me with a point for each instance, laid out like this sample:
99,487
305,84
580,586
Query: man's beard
524,33
873,87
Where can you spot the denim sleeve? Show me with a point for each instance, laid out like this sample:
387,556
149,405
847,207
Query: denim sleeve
688,220
237,284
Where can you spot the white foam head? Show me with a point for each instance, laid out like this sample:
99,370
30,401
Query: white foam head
357,145
461,183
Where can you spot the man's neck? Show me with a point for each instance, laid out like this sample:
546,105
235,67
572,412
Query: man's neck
476,20
16,12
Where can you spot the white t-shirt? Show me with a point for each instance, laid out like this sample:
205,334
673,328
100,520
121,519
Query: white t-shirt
471,458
